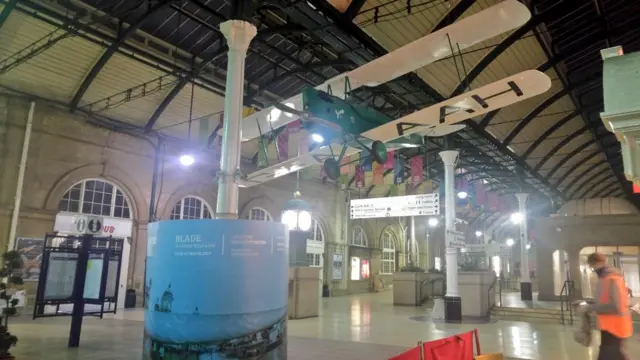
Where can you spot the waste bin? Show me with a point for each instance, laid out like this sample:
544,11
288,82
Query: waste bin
325,290
130,299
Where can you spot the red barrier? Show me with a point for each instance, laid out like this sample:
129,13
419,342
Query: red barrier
457,347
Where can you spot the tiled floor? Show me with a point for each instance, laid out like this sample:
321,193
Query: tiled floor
360,327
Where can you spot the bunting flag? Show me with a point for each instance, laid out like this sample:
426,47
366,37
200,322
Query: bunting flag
427,187
416,170
378,174
283,144
492,201
303,144
481,195
389,164
204,131
503,206
262,153
346,165
393,190
636,188
359,176
294,127
398,171
473,201
365,162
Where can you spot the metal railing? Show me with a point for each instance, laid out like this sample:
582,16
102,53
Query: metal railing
491,292
566,294
432,283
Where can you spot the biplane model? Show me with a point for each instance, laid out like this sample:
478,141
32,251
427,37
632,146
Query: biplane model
340,127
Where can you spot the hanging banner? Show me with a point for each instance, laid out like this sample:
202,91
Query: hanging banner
416,170
346,165
398,171
366,162
378,174
184,319
359,176
388,165
283,145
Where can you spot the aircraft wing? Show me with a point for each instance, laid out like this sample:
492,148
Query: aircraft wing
474,29
292,165
471,30
465,106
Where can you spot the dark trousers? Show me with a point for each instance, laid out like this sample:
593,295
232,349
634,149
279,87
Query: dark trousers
611,347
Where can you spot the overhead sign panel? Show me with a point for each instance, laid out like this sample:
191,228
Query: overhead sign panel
455,239
395,206
493,249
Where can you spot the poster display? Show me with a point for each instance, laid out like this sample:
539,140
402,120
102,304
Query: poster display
355,268
336,273
94,276
112,276
31,256
217,289
61,273
365,269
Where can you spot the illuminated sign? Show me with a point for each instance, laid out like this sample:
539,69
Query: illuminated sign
395,206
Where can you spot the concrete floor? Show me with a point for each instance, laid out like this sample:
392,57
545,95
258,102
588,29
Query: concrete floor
354,327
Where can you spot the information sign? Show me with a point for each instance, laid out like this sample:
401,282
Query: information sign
455,239
493,249
61,274
88,224
395,206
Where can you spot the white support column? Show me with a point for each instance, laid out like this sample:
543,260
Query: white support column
239,35
449,159
524,237
413,253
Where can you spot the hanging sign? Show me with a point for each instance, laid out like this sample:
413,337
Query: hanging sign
493,249
395,206
455,239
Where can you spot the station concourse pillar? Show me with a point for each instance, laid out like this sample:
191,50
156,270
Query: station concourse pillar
526,289
239,34
452,300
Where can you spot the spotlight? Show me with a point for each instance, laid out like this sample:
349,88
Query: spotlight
516,218
433,222
187,160
462,194
528,246
478,233
510,242
317,138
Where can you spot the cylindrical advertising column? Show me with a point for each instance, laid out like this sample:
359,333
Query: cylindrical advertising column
217,289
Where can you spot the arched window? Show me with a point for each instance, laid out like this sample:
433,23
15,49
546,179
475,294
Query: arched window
359,237
96,197
315,244
261,214
388,253
191,208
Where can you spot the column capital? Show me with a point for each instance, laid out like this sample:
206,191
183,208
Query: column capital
449,157
238,33
522,197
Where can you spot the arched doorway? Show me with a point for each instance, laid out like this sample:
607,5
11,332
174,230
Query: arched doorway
106,199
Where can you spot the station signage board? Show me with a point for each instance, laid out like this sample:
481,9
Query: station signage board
395,206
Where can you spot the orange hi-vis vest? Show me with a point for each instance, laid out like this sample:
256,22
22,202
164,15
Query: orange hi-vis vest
620,324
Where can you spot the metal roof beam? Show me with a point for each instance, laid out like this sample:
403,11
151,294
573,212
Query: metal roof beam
568,157
598,181
545,104
587,182
599,193
582,175
559,146
611,192
108,53
354,8
454,14
6,11
548,133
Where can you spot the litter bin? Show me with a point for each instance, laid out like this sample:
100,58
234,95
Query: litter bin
130,299
325,290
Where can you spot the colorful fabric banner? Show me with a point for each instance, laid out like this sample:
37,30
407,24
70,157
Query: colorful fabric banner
204,131
636,188
389,164
378,174
393,190
359,176
481,195
346,165
303,145
366,162
416,170
262,153
492,201
283,144
294,127
398,171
